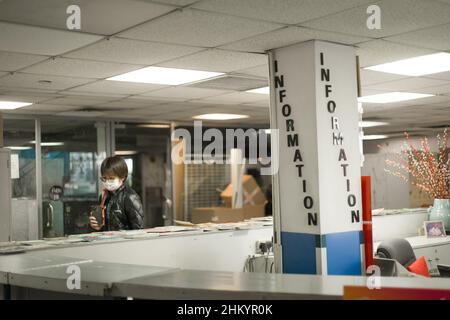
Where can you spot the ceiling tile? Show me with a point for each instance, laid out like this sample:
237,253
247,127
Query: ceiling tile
132,51
441,75
380,51
75,101
93,95
24,80
235,98
26,98
30,112
437,38
149,110
205,29
424,101
104,17
367,92
125,104
118,87
36,40
80,68
369,77
407,84
443,89
169,108
282,11
232,82
185,93
10,61
397,16
259,71
86,113
217,60
179,3
49,107
287,36
259,104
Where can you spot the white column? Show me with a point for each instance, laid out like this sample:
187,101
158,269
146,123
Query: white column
314,103
237,173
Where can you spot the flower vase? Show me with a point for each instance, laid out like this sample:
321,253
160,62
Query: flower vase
441,211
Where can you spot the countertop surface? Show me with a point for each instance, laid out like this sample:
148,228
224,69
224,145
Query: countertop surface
46,272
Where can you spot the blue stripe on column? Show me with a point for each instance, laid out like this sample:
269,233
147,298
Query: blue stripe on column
299,252
344,253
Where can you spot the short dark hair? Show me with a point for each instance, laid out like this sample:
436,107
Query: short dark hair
114,166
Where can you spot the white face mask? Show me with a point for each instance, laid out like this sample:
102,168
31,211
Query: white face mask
112,184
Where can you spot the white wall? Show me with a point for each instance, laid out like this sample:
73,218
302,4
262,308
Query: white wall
388,192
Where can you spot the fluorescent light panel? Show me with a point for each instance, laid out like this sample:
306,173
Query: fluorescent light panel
375,137
18,148
391,97
263,90
369,124
11,105
125,152
166,76
220,116
418,66
154,126
49,144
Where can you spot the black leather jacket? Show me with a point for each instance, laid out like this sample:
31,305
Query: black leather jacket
123,210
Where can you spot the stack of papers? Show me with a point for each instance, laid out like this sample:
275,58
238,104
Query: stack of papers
167,229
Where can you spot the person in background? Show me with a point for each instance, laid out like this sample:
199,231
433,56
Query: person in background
120,205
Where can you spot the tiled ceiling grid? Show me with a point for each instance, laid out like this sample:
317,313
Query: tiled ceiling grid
227,36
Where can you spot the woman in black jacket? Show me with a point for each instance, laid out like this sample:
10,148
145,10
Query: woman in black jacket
120,205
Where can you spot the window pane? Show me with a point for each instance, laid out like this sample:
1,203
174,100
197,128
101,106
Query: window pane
69,175
19,137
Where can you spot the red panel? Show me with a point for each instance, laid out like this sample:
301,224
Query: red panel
366,194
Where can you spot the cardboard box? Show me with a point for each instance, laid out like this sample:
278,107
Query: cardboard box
225,214
253,195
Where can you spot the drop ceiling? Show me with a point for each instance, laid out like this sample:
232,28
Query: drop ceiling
63,72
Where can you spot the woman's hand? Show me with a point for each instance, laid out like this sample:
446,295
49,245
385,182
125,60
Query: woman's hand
93,223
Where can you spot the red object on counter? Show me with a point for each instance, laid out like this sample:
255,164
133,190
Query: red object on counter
366,194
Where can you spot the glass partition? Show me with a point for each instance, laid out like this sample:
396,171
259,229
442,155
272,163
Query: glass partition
145,148
19,135
70,178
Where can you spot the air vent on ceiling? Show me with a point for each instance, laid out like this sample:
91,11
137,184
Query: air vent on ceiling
231,82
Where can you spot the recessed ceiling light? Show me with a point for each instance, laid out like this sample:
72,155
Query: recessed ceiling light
11,105
167,76
125,153
375,137
392,97
263,90
18,148
369,124
220,116
418,66
49,144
